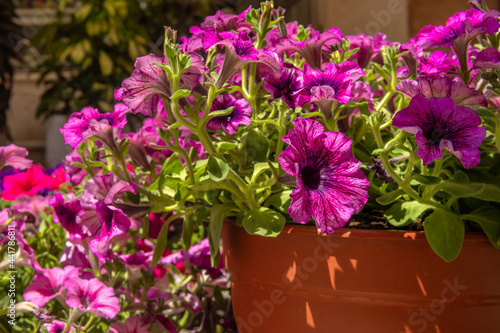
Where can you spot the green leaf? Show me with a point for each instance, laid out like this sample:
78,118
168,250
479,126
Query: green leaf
187,230
390,197
461,190
226,146
181,93
105,63
172,165
460,177
490,193
257,145
217,168
217,215
426,180
161,243
264,222
445,233
364,109
260,168
489,220
404,213
220,113
281,201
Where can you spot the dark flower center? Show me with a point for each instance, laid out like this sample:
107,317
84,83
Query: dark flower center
434,137
311,177
243,48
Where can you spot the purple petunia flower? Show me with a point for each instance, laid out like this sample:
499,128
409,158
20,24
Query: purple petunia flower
142,90
15,157
49,284
286,86
92,296
440,124
239,116
68,214
239,52
330,186
334,84
312,48
90,122
443,87
488,58
460,28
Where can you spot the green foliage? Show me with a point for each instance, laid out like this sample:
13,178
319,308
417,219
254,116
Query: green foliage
86,59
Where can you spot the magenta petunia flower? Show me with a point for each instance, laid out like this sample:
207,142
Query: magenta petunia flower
334,84
443,87
239,116
369,48
239,51
437,63
68,214
58,326
330,186
460,28
15,157
90,122
92,296
312,48
488,58
133,324
142,90
286,86
49,284
440,124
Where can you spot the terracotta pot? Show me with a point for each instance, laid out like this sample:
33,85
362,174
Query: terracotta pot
360,281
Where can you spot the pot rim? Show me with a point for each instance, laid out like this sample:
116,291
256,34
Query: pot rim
311,230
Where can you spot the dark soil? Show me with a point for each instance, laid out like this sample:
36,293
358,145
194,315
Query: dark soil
375,220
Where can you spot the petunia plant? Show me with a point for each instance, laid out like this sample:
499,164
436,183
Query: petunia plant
258,122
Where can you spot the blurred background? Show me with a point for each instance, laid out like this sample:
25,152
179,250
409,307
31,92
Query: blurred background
59,56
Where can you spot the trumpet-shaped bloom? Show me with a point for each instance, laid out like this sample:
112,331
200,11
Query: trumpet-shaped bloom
488,58
30,183
286,86
90,122
143,89
461,28
92,296
49,284
440,124
330,186
334,84
239,116
443,87
133,324
14,156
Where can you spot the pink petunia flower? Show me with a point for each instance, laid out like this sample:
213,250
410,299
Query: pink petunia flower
49,284
15,157
92,296
133,324
30,183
